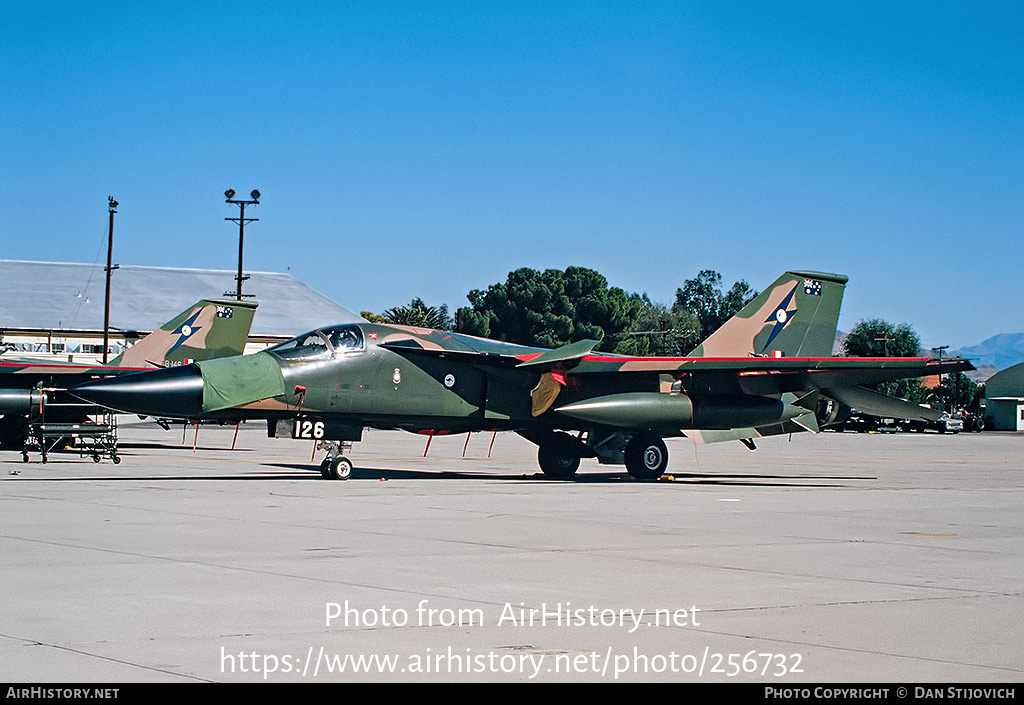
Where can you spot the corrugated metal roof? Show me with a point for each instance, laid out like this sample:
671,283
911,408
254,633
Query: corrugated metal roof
67,296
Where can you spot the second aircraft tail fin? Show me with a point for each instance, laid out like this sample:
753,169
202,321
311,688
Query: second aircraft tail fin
208,329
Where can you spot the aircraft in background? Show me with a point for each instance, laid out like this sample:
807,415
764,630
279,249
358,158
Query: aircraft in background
769,370
33,390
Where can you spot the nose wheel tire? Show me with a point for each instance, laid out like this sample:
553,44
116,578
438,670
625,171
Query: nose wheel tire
646,457
339,468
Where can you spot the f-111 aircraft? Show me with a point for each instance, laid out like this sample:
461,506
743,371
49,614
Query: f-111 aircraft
33,389
767,371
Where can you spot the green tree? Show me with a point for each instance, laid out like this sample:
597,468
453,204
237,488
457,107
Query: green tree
552,308
957,391
419,314
702,297
661,331
878,338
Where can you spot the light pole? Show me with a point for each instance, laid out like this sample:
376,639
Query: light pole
885,340
112,208
953,380
229,196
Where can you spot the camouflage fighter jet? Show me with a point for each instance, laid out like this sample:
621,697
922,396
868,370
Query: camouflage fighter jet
34,388
768,370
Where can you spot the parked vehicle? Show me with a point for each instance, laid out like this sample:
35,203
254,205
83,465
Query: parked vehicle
946,424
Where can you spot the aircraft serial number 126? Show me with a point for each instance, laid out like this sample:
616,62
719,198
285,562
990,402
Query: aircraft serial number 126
304,428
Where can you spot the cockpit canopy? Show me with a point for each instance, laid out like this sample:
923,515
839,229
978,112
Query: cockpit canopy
321,343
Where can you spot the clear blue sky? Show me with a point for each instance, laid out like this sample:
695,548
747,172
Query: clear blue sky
427,148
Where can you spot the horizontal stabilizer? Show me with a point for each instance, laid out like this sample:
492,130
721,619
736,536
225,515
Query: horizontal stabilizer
766,375
806,422
877,404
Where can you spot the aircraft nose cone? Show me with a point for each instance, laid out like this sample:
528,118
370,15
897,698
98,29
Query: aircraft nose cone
176,392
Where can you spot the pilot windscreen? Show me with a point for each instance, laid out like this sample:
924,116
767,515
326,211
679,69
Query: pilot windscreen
305,346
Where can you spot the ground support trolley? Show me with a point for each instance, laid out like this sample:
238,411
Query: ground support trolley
95,438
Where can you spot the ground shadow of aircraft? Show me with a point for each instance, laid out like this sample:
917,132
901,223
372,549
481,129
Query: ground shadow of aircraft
690,478
293,471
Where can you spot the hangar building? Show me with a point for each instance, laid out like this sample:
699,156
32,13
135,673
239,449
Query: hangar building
57,308
1004,400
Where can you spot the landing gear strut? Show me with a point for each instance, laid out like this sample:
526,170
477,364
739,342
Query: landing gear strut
335,466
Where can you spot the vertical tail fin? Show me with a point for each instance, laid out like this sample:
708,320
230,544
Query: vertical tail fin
205,330
794,317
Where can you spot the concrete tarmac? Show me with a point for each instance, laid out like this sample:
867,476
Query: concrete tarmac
833,558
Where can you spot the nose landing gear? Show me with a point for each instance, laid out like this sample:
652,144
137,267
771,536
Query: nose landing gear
335,466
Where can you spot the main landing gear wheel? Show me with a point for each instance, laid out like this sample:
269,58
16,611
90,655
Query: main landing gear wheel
646,457
339,468
556,459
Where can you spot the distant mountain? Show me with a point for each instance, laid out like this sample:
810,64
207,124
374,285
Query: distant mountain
999,351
